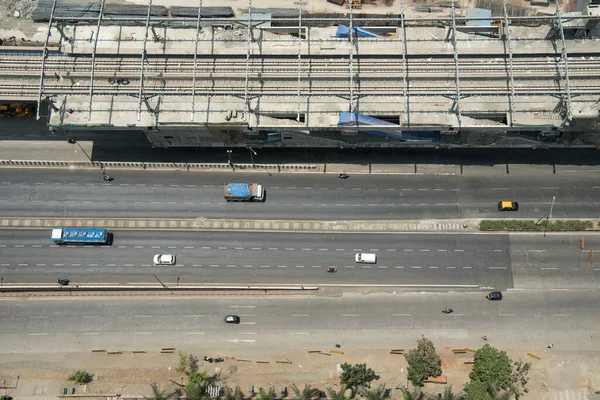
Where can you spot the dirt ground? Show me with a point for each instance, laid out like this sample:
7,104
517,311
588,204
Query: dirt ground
130,375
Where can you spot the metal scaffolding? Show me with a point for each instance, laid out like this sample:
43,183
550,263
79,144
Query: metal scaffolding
94,59
456,69
44,57
192,114
373,80
565,72
143,63
507,40
404,65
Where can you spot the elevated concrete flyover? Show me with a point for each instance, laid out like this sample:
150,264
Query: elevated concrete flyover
435,79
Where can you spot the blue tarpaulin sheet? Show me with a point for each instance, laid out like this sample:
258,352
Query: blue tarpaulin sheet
343,32
347,120
238,189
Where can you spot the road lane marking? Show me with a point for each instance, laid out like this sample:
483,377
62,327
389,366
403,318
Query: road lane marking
247,323
143,316
432,267
349,315
424,249
391,249
142,333
248,266
442,250
399,267
549,188
402,315
247,315
91,316
458,250
416,266
39,317
507,315
299,333
561,315
36,334
213,265
408,250
194,333
90,333
550,268
236,306
195,315
282,266
248,333
298,315
497,267
242,340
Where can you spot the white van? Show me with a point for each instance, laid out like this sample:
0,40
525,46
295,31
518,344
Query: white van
366,258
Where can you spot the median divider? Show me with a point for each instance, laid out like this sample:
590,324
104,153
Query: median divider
125,288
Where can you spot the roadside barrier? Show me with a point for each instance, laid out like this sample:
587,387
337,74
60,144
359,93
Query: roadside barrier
534,356
158,165
398,351
336,352
98,351
167,350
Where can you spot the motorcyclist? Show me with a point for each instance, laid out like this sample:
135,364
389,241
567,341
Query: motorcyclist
447,310
107,178
330,269
343,175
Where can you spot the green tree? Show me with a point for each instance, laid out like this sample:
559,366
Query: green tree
416,394
356,376
186,363
423,362
233,394
158,394
267,394
379,393
308,393
491,368
81,377
340,394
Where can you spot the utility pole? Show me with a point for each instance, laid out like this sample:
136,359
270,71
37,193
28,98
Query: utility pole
549,215
229,155
251,154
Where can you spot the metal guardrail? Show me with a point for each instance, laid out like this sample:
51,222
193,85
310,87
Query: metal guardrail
155,165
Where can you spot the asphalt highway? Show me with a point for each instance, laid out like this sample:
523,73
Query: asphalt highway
169,194
443,261
270,325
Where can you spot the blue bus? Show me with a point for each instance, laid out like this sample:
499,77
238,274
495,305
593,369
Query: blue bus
81,236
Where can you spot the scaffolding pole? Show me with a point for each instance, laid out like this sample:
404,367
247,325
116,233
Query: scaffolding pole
248,49
44,56
94,59
162,21
404,64
352,109
299,56
507,40
143,62
456,69
195,61
565,58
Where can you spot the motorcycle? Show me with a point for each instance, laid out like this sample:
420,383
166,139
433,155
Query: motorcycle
71,141
331,270
447,310
107,178
343,176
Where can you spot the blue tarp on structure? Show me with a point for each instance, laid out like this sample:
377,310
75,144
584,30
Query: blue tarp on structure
479,13
238,189
343,32
347,120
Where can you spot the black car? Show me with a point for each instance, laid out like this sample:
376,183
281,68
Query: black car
232,319
494,296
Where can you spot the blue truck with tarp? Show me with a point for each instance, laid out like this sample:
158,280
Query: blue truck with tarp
244,192
81,236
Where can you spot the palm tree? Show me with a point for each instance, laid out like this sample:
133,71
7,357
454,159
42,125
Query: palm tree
416,394
339,395
380,393
158,394
267,395
233,394
308,393
448,395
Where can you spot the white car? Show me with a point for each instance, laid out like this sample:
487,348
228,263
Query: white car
164,259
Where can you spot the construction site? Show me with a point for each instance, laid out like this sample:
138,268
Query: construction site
325,73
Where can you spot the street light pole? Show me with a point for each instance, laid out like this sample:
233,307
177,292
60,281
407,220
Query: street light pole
229,156
549,215
251,154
